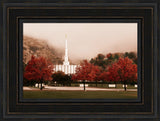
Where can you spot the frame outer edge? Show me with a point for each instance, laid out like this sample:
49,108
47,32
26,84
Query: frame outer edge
1,60
156,53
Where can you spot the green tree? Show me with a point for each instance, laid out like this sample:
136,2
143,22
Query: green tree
99,60
58,77
116,56
131,55
67,80
61,78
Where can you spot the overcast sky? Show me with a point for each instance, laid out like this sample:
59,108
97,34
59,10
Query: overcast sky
86,40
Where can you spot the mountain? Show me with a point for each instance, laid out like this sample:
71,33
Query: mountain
37,47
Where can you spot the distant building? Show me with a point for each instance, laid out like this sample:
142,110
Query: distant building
66,67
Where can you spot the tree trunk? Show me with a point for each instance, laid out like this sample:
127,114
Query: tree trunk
41,86
84,85
125,88
96,83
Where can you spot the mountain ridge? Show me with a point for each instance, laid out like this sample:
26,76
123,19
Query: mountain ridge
38,47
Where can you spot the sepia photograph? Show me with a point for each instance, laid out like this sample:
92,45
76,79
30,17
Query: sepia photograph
66,60
80,61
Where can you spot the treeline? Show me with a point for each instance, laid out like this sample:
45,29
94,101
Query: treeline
114,68
117,68
104,61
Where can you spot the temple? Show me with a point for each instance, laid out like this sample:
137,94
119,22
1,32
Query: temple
66,62
66,67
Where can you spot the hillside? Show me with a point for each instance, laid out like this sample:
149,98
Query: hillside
33,46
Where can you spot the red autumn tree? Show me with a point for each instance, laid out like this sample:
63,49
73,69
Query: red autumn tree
123,70
104,76
39,69
86,71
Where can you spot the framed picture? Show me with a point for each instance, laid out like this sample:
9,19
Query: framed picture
79,60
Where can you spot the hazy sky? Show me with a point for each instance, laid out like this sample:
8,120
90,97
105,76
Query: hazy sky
86,40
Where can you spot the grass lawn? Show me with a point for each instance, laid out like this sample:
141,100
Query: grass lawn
45,94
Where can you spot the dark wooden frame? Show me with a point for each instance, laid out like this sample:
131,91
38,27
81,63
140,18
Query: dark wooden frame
14,12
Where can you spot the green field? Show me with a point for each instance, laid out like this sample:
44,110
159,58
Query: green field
45,94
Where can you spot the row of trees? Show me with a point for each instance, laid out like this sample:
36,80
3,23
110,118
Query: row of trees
40,70
104,61
107,69
124,70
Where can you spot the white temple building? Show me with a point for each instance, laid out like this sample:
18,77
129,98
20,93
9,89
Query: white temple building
66,67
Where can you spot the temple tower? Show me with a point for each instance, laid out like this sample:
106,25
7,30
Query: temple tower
66,62
66,67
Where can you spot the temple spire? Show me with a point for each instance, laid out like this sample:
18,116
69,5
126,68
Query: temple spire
66,62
